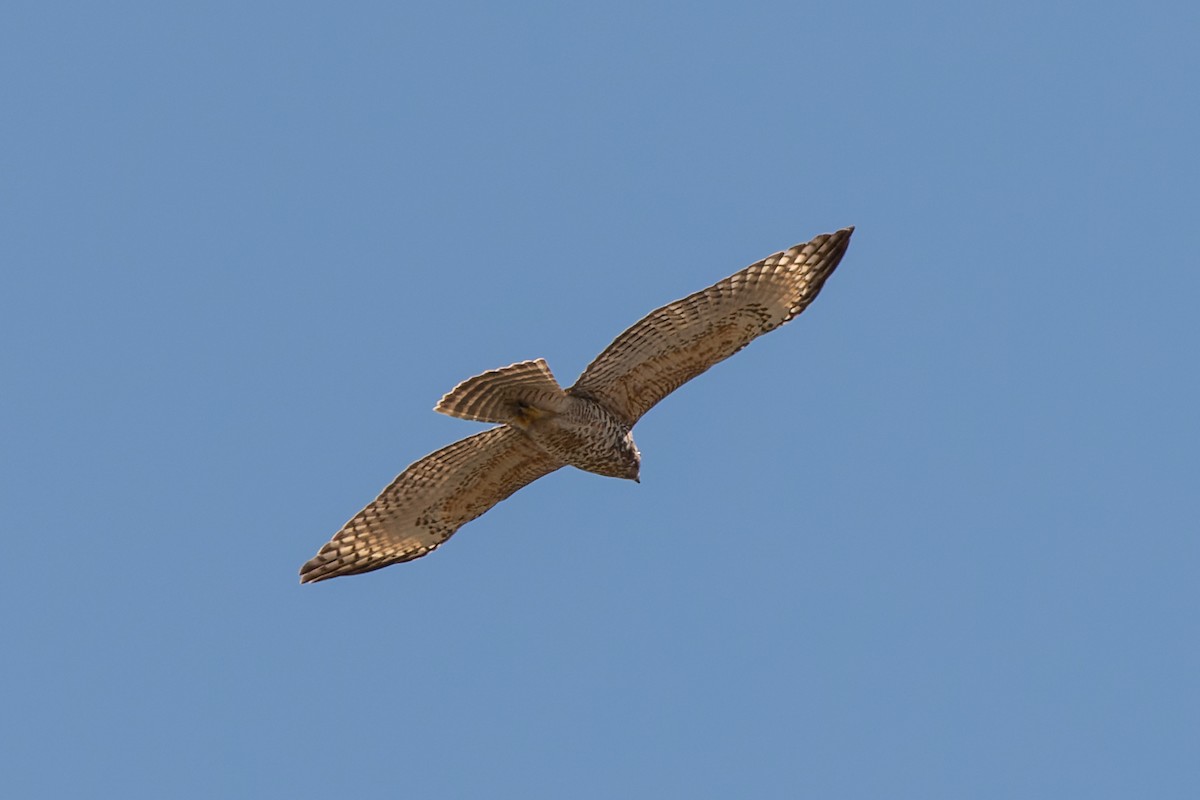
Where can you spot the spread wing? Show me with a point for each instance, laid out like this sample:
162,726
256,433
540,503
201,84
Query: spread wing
430,500
679,341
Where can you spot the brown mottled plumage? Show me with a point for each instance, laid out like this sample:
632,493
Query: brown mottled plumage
544,427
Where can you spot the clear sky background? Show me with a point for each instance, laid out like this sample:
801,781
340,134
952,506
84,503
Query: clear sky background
937,538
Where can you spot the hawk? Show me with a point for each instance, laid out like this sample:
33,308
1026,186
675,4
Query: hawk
543,427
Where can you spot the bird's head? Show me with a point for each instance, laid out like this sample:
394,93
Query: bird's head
632,458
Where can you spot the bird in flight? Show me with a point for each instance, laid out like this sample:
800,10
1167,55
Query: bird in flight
542,427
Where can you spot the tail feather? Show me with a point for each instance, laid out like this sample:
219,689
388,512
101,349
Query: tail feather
514,394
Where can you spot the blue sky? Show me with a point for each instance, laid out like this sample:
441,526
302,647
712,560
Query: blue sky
936,538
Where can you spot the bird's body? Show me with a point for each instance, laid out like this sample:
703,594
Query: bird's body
585,435
543,427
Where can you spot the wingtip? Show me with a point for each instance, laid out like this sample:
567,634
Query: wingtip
316,569
316,577
840,239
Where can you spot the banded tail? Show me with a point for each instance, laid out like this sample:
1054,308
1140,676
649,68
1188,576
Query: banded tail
516,395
